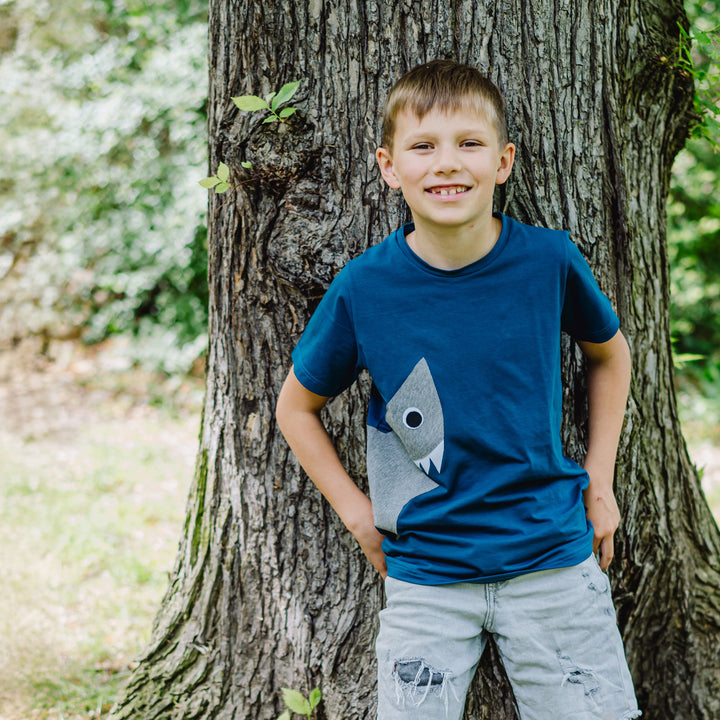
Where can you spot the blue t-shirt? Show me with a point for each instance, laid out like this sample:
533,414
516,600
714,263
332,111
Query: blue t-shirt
467,474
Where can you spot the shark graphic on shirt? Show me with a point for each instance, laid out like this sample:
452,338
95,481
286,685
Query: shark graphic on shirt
399,461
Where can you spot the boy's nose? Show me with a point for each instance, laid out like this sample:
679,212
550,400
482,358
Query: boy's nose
446,161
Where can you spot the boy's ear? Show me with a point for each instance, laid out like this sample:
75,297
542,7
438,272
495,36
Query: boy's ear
507,158
385,163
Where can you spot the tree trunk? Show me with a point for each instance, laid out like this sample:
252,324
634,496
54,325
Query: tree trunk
269,590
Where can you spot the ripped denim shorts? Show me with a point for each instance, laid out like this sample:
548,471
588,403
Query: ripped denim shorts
555,630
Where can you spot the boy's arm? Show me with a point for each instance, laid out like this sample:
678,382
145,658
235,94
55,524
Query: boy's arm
608,369
298,415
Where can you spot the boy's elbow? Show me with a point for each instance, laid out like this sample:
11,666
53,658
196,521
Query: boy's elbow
613,351
618,361
295,399
282,416
282,407
623,353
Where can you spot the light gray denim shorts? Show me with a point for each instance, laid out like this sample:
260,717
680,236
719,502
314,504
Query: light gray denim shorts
555,629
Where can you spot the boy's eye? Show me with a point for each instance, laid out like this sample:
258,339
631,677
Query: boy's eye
422,146
471,143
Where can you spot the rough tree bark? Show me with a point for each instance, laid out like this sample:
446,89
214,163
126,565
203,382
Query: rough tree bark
268,589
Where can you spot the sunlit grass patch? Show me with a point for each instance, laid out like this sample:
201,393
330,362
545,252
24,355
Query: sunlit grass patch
89,525
77,696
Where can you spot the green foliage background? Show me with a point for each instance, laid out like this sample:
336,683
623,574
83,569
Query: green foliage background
103,140
694,219
102,224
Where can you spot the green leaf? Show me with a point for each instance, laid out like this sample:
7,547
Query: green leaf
209,182
287,112
250,103
315,697
268,98
222,187
285,716
271,119
247,165
682,359
296,701
223,171
286,92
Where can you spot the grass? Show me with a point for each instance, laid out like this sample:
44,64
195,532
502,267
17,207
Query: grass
90,516
699,409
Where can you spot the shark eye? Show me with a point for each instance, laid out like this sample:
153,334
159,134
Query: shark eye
413,418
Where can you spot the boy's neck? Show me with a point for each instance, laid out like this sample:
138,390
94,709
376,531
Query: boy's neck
449,249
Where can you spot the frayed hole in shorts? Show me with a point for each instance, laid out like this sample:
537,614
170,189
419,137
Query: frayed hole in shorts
416,680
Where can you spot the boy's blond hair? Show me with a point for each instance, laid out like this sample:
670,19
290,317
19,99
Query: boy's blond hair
449,86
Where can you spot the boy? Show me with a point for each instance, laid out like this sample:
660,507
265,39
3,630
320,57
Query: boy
478,523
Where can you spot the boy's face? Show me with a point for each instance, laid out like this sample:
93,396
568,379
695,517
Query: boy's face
447,166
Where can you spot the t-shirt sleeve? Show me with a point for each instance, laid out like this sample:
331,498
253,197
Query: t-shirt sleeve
587,312
325,359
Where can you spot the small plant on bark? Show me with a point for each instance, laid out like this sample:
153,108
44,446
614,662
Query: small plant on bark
272,103
297,703
253,103
219,181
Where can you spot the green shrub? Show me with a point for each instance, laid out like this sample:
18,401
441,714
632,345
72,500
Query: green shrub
694,212
102,227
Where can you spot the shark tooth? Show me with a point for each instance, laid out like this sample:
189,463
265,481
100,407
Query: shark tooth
434,457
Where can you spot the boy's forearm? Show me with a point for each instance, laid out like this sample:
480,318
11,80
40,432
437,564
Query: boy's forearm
309,441
298,415
608,386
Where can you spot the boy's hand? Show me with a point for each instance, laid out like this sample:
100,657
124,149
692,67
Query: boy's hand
372,547
370,541
602,511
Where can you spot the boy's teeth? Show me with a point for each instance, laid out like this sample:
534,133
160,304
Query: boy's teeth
450,191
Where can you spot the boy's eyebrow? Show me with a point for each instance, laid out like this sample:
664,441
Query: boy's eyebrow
430,135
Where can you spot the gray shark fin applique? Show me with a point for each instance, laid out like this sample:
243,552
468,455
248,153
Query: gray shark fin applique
415,414
399,462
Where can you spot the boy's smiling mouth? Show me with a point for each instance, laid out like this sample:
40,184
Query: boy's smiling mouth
447,189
